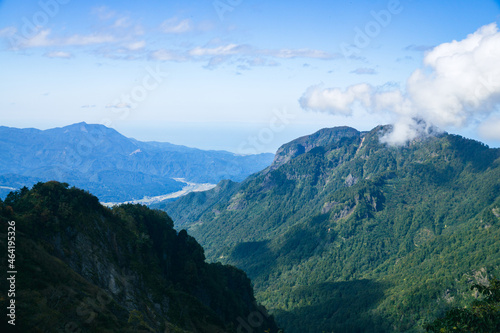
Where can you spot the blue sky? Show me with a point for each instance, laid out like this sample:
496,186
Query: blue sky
247,76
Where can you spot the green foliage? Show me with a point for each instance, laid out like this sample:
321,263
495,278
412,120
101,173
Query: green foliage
339,206
84,267
482,316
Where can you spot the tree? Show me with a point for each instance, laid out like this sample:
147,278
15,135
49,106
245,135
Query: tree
482,317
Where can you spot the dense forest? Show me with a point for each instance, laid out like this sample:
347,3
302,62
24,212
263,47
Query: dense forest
82,267
343,233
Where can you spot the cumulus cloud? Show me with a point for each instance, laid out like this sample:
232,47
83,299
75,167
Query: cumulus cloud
463,80
334,100
490,128
459,83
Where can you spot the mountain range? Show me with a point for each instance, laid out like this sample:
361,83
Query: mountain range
111,166
77,266
344,233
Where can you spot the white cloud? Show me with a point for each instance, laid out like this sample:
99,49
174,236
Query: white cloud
43,39
215,61
459,84
103,13
300,53
241,49
418,48
8,31
490,128
230,49
462,79
260,61
174,26
122,22
88,40
40,39
59,54
136,45
252,56
167,55
364,71
335,100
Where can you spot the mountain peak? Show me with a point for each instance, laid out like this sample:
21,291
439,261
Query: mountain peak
87,128
323,137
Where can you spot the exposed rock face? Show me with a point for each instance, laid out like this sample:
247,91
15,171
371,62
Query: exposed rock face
339,205
304,144
350,180
120,270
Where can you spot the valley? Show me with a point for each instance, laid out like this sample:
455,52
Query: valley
188,188
341,232
111,166
236,166
342,224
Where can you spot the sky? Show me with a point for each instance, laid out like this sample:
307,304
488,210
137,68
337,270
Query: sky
247,75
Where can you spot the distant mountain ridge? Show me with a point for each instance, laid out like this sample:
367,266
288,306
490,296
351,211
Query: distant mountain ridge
344,233
110,165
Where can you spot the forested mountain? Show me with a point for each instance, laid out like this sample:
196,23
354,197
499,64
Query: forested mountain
110,165
82,267
343,233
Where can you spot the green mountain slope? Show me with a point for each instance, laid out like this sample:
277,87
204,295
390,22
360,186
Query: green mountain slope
343,233
82,267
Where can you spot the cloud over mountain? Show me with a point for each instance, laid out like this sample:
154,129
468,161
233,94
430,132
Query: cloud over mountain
457,85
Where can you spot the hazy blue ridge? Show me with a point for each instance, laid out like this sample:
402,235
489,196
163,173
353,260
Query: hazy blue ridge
110,165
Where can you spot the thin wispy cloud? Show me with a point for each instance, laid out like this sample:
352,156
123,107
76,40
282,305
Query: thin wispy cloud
167,55
176,26
364,71
214,62
301,53
230,49
251,56
59,54
44,39
260,61
119,105
139,45
118,36
103,13
8,31
418,48
122,22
